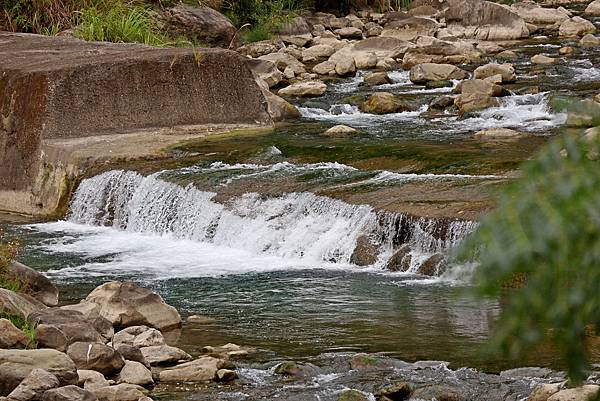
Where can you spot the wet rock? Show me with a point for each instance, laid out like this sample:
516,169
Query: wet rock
400,260
261,48
365,252
225,375
278,108
483,20
507,55
340,131
507,71
200,24
34,283
432,266
91,380
228,351
593,9
368,362
34,385
583,393
164,354
543,391
135,373
198,370
317,52
17,304
304,89
439,393
566,51
472,86
576,26
543,60
589,40
11,336
95,356
131,353
409,28
120,392
68,393
352,395
498,134
422,73
377,78
394,392
297,370
442,102
474,101
438,84
349,33
16,365
126,304
384,103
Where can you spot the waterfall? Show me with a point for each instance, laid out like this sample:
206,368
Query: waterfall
292,225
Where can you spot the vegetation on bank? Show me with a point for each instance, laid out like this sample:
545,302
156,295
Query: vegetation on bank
8,253
546,233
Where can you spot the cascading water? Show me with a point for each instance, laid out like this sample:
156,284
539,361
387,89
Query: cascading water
294,225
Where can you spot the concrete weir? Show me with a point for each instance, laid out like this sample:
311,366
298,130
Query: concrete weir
67,105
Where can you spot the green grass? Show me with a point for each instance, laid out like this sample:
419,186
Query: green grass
24,326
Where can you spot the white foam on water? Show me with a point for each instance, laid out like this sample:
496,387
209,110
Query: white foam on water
352,115
389,176
587,73
350,85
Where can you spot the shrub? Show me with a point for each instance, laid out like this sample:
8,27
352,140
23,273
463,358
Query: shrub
8,253
545,233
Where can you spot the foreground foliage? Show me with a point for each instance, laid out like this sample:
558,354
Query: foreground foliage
544,239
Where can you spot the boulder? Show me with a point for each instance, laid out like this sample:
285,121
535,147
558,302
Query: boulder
304,89
296,40
422,73
349,33
95,356
401,259
34,283
317,52
265,70
16,365
576,26
11,336
261,48
126,304
120,392
18,304
480,86
324,68
365,61
484,20
200,24
566,51
91,380
394,391
131,353
383,47
138,336
583,393
377,78
34,385
589,40
296,26
164,354
344,62
432,266
543,60
498,134
225,375
366,251
507,55
283,60
373,29
543,391
68,393
280,109
198,370
534,14
385,103
409,28
88,309
507,71
593,9
436,51
228,351
439,392
441,102
340,131
474,101
135,373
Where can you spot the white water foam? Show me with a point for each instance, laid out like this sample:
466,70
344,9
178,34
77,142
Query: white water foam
344,113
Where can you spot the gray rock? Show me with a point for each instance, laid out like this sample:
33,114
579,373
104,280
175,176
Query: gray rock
35,283
164,354
507,71
422,73
95,356
18,304
201,24
138,336
135,373
91,380
131,353
34,385
120,392
304,89
199,370
11,336
68,393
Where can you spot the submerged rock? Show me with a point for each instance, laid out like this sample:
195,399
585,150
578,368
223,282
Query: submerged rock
498,133
365,252
340,131
541,59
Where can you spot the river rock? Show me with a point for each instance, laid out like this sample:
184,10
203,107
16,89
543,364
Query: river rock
352,395
409,28
34,283
385,103
576,26
261,48
283,60
400,260
91,380
422,73
507,55
534,14
279,109
120,392
164,354
16,365
324,68
593,9
589,40
198,370
225,375
432,266
365,60
265,70
349,33
377,78
135,373
366,251
543,391
126,304
436,51
369,362
340,131
34,385
344,62
304,89
543,60
395,392
480,86
474,101
138,336
19,305
131,353
373,29
11,336
200,24
438,392
88,309
68,393
228,351
498,134
95,356
583,393
442,102
317,52
383,47
484,20
507,71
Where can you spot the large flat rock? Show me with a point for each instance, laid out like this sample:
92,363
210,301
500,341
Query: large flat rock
59,89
